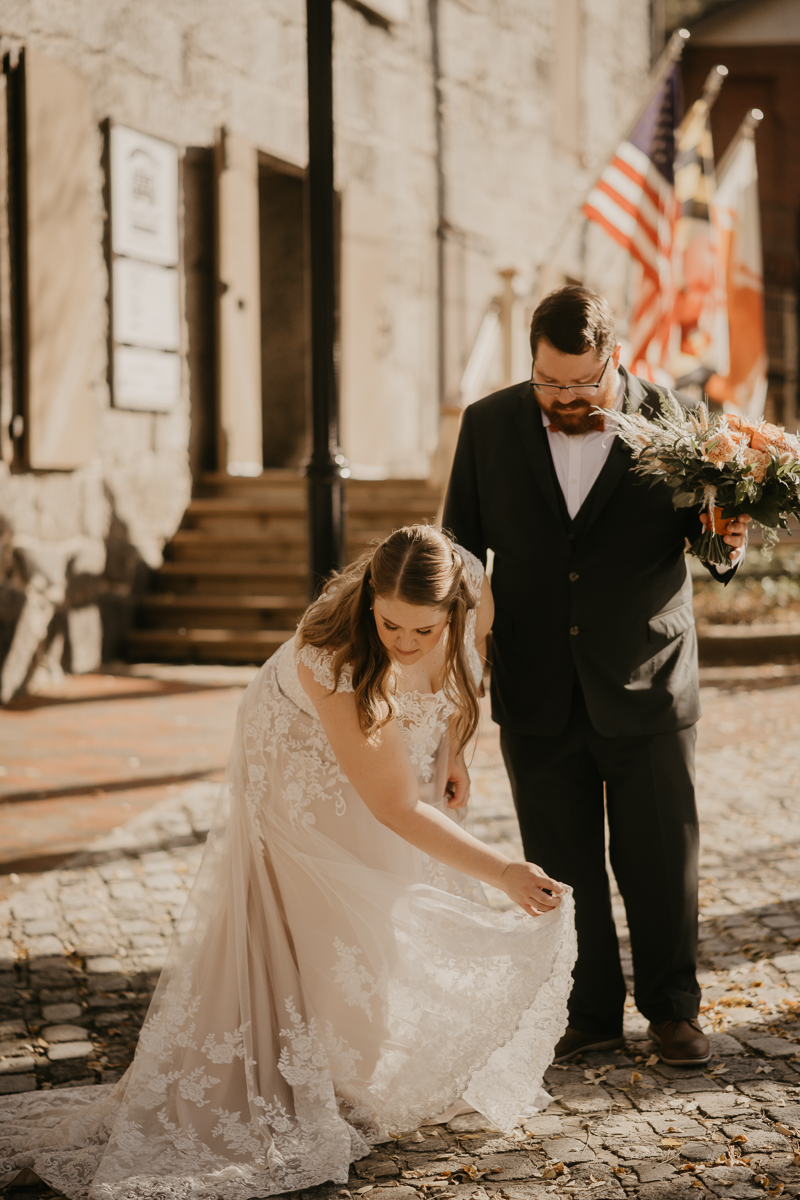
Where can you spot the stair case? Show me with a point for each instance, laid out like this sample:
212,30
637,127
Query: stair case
235,576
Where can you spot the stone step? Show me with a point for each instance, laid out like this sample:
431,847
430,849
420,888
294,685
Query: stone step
357,502
204,577
741,645
172,610
191,545
287,525
197,544
290,489
272,525
206,645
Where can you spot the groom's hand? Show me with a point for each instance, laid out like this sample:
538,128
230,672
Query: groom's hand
736,535
529,887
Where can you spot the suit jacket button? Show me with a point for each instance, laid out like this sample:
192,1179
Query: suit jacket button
574,631
573,576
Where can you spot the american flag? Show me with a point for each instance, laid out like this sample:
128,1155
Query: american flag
634,202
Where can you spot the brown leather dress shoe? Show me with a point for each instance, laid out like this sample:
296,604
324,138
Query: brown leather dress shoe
681,1043
575,1042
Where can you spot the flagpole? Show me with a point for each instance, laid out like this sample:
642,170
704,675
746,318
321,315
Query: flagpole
747,129
711,89
670,55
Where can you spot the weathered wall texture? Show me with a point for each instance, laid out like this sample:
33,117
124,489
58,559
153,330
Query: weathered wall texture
517,146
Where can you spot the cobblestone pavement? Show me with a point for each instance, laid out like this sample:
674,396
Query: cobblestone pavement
82,946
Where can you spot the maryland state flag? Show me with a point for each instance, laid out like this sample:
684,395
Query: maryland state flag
743,388
698,344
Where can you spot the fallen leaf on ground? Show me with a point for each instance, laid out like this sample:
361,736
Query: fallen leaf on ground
636,1077
670,1143
652,1060
552,1172
784,1129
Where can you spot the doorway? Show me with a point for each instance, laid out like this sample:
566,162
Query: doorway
285,357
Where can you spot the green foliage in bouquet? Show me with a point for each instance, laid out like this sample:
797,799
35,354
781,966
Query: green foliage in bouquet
718,463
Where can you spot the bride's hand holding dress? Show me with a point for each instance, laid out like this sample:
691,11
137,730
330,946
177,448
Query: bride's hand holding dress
380,771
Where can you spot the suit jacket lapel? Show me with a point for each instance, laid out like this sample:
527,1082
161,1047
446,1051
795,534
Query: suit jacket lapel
533,434
619,458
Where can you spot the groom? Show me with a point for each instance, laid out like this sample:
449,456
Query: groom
594,664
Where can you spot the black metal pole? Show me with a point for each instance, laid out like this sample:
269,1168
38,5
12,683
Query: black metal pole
326,466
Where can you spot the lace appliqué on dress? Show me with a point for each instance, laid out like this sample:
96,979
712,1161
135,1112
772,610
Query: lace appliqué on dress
320,663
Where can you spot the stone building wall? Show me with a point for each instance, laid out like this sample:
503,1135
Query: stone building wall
75,545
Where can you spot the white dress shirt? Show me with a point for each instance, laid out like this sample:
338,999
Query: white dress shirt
580,457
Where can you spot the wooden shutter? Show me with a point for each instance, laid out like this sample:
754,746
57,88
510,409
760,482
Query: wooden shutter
238,306
60,259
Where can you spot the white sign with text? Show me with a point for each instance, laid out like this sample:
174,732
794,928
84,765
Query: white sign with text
148,380
144,197
146,305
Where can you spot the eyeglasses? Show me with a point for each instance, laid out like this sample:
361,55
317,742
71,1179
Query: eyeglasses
584,391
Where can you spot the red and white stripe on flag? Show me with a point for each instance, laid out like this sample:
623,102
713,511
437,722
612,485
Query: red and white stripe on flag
635,205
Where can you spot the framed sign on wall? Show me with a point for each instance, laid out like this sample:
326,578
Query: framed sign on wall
144,252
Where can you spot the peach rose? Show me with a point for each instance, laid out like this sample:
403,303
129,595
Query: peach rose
767,435
759,460
738,423
721,448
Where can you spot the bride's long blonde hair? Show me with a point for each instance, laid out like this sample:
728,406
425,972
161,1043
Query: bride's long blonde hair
418,565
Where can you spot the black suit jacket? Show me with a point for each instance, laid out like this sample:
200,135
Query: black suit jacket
606,596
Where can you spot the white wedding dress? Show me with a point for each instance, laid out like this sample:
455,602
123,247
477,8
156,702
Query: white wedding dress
330,985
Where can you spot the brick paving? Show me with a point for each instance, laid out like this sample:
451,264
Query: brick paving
80,759
82,946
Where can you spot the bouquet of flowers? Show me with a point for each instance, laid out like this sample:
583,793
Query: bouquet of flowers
726,464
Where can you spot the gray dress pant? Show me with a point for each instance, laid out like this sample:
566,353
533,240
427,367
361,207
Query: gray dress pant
648,798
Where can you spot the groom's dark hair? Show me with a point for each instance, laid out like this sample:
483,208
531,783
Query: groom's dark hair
574,320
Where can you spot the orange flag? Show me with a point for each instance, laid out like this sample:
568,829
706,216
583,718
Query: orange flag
743,389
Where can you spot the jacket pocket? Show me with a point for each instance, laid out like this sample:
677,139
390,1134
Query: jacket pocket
672,623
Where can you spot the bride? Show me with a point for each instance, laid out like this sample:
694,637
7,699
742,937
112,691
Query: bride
338,976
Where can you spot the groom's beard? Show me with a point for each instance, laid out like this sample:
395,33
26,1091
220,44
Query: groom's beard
575,419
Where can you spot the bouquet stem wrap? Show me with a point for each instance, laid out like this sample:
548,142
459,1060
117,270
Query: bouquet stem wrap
710,546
